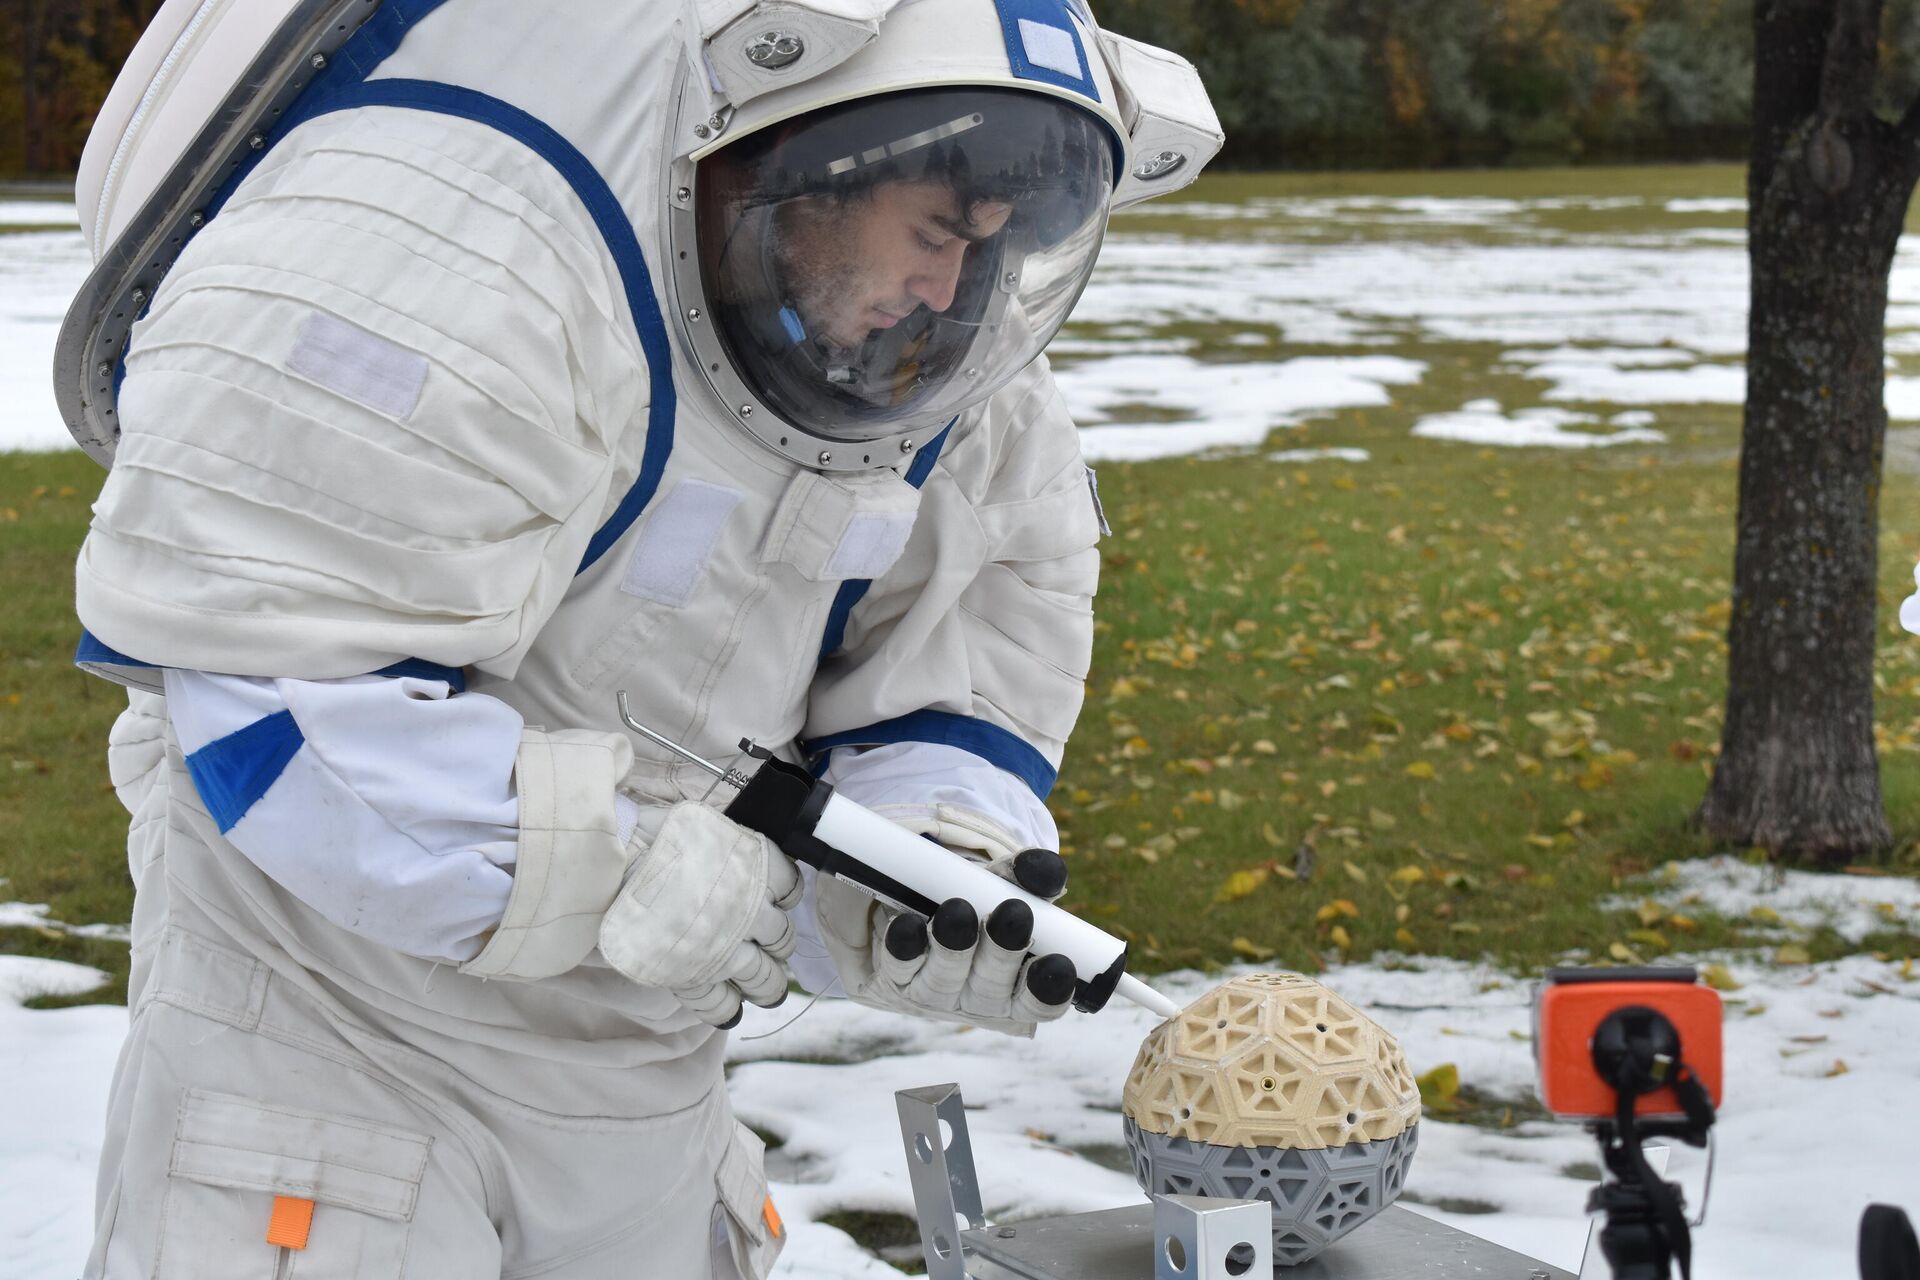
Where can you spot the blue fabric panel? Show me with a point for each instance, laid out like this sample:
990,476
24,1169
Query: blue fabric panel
233,772
854,590
988,741
93,649
421,669
1048,13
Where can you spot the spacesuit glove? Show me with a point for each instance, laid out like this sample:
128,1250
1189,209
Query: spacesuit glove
703,914
950,968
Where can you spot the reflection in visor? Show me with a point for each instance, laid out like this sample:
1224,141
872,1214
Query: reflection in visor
876,267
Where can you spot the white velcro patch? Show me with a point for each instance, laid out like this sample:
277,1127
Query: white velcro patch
871,544
676,541
1050,47
359,365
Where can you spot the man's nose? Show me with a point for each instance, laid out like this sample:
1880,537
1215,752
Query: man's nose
936,285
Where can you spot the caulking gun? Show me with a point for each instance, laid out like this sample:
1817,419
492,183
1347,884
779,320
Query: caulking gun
814,824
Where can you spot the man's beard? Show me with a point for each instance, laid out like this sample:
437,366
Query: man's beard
815,269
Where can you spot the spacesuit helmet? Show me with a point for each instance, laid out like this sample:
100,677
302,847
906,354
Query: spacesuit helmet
885,263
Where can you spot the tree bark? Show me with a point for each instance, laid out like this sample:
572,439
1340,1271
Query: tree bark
1828,192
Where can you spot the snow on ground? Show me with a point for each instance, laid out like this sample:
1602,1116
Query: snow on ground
38,213
1821,1117
1320,455
1621,317
1852,906
39,273
1483,422
1233,404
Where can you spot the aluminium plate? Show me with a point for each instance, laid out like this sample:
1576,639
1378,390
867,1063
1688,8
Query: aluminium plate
1117,1244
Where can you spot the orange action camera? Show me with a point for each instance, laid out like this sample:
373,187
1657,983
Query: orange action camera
1665,1017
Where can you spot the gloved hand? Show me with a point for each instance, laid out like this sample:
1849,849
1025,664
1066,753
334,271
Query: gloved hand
703,915
949,968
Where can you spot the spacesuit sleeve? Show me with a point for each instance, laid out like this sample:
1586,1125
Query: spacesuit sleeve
397,808
980,635
375,413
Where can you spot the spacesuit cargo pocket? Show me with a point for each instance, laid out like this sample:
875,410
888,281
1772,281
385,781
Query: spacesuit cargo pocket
754,1234
235,1161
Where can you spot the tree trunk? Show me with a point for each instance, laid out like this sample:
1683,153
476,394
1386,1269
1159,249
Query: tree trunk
1828,193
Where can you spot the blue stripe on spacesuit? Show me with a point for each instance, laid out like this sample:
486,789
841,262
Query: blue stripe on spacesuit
854,590
608,218
344,85
988,741
93,651
1047,14
232,773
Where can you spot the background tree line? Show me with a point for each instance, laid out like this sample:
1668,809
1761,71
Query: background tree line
1298,83
1377,83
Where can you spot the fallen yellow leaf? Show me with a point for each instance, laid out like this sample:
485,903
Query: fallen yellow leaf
1719,977
1251,949
1241,884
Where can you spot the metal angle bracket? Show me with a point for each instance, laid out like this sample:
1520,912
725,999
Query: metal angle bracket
946,1189
1198,1238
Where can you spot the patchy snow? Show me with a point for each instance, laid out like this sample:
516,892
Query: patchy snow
39,274
56,1064
1853,906
1320,455
1808,1050
1622,316
1224,405
1484,422
39,213
34,915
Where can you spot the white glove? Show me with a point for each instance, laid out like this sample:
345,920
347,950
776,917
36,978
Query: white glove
945,969
703,915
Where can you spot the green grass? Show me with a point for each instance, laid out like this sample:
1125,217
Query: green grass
1468,693
1444,702
62,832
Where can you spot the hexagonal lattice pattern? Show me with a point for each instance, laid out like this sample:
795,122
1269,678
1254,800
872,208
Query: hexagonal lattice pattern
1273,1060
1317,1196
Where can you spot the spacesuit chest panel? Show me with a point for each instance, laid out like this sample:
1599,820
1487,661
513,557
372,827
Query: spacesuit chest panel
708,613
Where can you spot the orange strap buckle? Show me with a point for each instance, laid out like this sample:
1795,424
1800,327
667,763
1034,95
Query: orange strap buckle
292,1220
772,1215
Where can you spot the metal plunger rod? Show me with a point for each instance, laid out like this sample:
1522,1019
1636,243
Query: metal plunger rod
732,777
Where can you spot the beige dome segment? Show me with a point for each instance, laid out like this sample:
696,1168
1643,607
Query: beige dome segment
1272,1060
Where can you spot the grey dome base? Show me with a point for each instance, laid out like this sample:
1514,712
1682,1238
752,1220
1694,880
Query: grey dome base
1317,1196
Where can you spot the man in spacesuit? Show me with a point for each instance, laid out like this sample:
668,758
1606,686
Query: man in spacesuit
530,361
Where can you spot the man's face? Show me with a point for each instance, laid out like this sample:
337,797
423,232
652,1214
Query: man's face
855,266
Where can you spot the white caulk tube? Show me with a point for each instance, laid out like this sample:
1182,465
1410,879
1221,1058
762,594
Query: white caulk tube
816,825
937,876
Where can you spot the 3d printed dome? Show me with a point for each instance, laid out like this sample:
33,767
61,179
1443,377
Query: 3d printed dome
1271,1087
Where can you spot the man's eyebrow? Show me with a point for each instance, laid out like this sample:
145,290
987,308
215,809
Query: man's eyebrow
954,227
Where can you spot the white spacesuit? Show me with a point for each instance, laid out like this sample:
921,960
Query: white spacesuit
540,353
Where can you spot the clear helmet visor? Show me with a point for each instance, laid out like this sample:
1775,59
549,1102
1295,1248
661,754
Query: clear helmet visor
883,265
